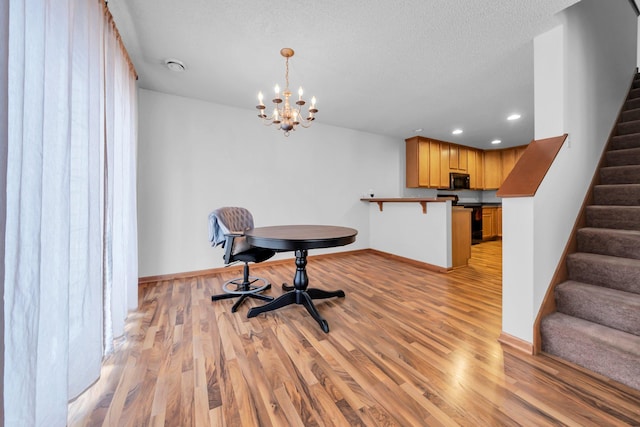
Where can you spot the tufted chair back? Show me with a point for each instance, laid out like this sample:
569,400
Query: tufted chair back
235,219
230,220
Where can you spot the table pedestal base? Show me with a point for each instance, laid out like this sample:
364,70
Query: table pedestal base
299,294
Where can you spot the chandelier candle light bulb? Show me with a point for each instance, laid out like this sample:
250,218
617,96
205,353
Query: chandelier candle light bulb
286,116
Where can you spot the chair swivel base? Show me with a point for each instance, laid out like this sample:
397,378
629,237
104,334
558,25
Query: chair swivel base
245,288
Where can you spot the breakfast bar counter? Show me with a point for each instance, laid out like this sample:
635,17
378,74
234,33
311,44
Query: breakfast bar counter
431,232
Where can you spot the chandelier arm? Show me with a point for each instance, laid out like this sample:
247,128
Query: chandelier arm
306,126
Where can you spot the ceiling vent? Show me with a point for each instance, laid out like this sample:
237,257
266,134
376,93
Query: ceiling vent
175,65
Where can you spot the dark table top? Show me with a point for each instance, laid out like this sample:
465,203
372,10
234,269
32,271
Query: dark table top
295,237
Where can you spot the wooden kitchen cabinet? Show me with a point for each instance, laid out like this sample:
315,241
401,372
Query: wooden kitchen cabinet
427,163
435,165
460,236
491,222
508,161
488,231
444,164
430,161
474,169
510,157
458,158
417,163
492,169
463,158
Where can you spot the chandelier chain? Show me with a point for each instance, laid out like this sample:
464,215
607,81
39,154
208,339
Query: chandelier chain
286,74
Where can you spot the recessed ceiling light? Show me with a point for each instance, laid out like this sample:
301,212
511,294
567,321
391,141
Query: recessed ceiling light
457,131
496,141
418,130
515,116
175,65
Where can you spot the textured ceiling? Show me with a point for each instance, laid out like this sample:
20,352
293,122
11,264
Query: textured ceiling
386,67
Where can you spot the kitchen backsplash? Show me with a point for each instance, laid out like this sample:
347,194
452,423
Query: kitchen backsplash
464,196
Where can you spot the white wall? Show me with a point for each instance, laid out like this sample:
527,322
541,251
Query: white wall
597,61
195,156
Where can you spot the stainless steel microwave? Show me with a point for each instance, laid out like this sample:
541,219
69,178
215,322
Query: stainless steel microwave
459,181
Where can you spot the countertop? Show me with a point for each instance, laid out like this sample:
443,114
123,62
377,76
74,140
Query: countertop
478,204
422,200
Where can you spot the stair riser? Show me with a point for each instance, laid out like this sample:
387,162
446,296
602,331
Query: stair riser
620,175
622,142
578,346
636,83
621,313
613,217
623,157
632,104
611,244
631,115
604,273
627,128
634,93
620,195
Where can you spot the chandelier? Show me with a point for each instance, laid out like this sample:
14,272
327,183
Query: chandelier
287,116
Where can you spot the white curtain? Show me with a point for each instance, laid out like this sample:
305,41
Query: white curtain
70,204
121,245
4,49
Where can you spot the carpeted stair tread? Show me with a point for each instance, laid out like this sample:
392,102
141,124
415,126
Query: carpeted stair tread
617,194
597,322
603,270
629,174
607,241
630,115
617,217
626,156
609,307
627,128
622,142
609,352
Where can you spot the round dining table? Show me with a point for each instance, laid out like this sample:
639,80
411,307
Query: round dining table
300,238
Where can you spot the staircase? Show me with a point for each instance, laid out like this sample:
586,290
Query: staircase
597,322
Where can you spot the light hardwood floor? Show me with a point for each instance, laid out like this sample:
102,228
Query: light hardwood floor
407,347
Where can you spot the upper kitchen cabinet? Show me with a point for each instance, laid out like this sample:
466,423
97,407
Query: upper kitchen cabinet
429,163
510,157
458,158
498,164
475,169
492,169
426,166
441,150
417,160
